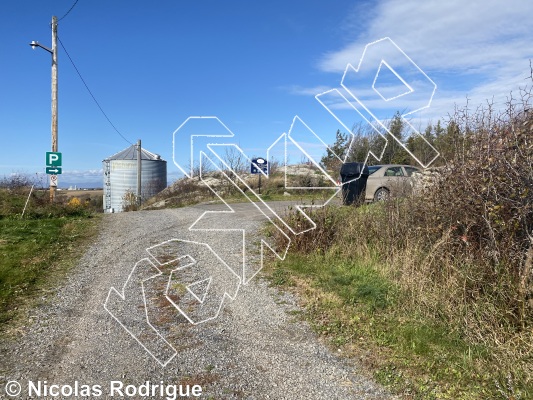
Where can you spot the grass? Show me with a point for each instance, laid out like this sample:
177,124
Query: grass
37,250
185,192
357,305
301,196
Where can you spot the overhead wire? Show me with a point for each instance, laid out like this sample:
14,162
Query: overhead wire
70,9
89,90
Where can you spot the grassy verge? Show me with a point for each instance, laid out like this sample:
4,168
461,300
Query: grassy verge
373,307
362,312
37,250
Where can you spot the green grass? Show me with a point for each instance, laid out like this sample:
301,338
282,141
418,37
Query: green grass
37,251
354,305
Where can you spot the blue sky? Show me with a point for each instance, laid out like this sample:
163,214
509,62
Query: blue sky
253,64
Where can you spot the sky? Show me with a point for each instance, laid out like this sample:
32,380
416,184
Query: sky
255,65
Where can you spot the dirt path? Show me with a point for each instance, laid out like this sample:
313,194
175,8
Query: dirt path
254,349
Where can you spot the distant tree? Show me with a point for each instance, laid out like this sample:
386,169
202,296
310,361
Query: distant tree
367,139
450,141
419,145
336,152
395,152
438,129
234,159
361,144
360,147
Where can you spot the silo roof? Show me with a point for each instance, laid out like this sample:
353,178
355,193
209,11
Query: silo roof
130,153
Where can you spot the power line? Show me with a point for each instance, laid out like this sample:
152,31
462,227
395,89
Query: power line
70,9
89,90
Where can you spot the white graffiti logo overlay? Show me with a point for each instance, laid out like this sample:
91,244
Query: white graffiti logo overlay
190,275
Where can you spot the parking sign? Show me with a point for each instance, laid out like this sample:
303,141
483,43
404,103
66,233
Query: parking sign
53,159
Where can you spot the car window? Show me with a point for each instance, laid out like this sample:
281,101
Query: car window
373,169
394,171
410,170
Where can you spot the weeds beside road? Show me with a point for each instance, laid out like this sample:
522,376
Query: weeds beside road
37,249
437,287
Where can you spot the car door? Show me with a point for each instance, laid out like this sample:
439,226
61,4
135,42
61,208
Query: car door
395,179
410,182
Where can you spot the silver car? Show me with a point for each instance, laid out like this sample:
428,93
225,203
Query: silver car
389,180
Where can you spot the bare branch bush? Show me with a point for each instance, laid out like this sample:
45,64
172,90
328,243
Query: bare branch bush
16,182
235,160
461,249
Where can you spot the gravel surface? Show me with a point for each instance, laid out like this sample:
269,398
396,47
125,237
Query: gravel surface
254,349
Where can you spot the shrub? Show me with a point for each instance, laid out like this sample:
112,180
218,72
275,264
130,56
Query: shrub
462,249
74,202
129,201
484,204
15,182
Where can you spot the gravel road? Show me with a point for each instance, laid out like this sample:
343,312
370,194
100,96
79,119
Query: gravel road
255,349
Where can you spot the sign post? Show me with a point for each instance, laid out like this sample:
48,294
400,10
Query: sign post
259,166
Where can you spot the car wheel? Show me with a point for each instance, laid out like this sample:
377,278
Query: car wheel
381,194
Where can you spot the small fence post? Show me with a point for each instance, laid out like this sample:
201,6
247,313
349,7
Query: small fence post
28,199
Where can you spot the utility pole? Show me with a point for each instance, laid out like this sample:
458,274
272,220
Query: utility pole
53,52
139,170
54,97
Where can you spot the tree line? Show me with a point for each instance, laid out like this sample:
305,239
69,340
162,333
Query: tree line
369,141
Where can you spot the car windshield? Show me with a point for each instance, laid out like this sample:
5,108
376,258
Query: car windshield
373,169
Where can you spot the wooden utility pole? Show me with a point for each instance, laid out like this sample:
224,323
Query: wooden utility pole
54,97
139,171
53,52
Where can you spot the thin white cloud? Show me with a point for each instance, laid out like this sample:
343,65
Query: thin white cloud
478,49
85,173
452,34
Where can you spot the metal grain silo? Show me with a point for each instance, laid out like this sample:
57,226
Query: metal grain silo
120,177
